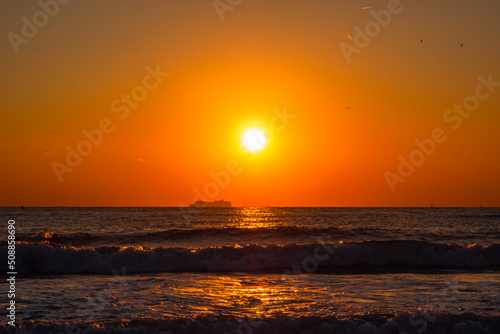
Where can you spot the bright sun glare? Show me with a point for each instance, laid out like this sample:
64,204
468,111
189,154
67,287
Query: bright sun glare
254,140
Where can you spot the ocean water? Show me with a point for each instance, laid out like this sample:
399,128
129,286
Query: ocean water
255,270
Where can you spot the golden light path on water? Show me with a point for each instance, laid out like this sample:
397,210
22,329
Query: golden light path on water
255,218
257,295
341,295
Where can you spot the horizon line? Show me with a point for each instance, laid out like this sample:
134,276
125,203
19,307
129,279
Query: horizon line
240,206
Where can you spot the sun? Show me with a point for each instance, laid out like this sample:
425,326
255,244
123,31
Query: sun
254,140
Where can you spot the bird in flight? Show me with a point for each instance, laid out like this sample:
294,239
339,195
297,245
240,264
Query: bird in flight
421,40
461,44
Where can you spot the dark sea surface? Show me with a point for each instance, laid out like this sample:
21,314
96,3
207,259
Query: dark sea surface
255,270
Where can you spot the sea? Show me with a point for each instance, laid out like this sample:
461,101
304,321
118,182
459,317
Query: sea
253,270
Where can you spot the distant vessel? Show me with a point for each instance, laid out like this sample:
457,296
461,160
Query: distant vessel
215,204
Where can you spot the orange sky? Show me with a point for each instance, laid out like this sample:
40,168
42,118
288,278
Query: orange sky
350,118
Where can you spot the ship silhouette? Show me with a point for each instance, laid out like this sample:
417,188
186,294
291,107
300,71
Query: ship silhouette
214,204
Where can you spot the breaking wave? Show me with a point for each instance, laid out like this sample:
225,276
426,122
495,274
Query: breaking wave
252,235
46,258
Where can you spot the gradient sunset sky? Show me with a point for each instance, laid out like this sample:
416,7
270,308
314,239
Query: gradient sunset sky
353,117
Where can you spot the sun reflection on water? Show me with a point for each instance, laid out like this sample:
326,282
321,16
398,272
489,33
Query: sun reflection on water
255,217
261,295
